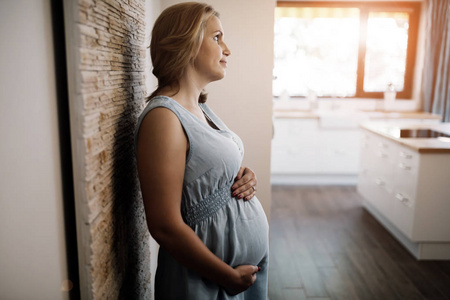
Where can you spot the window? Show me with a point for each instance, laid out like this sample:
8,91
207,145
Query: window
345,49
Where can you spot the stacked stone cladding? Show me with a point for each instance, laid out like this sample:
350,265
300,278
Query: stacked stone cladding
110,86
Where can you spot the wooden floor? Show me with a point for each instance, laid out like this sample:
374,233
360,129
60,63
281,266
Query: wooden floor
324,245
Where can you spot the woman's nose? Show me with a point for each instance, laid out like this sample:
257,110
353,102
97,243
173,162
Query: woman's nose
226,51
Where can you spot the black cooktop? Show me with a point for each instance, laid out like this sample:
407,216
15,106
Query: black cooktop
421,133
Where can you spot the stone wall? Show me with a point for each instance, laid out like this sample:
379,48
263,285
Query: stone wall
106,64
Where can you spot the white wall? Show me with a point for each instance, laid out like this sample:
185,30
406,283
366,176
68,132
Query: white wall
152,11
244,98
32,255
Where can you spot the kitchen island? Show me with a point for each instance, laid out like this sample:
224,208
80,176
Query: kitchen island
405,179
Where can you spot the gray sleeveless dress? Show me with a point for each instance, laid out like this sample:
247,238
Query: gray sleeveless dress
234,230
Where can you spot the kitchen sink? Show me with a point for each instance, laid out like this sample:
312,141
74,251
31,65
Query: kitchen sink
421,133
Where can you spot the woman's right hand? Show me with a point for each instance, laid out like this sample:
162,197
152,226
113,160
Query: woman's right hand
245,277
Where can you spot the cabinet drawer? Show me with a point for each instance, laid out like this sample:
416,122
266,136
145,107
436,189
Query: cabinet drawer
403,213
407,159
364,184
405,180
383,194
293,160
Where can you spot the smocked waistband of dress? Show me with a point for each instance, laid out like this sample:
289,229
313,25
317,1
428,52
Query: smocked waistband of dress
208,206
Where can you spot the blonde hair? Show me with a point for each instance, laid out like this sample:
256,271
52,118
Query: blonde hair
176,39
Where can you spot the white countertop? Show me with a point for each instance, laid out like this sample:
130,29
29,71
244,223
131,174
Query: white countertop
422,145
372,114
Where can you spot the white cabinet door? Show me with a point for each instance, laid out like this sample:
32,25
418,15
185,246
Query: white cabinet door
293,146
405,186
379,165
388,179
364,175
300,146
303,153
338,151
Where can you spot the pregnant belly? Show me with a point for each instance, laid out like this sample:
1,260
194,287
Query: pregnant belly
251,233
238,234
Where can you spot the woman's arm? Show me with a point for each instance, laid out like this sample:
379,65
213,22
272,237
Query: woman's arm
161,155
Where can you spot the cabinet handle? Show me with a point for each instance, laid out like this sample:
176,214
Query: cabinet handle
405,155
402,199
404,167
399,196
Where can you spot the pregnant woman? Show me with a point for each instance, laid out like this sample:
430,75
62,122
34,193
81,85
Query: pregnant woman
200,204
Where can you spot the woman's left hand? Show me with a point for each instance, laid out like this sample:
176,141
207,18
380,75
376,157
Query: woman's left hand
245,184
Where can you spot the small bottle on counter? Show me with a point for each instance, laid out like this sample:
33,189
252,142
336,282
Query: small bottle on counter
389,97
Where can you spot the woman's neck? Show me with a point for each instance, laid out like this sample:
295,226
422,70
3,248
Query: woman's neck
188,91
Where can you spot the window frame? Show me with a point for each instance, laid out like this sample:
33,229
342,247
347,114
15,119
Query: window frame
414,10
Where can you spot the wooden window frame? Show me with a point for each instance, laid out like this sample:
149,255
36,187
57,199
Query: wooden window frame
413,8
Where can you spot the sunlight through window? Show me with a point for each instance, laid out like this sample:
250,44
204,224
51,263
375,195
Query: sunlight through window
357,50
386,48
316,50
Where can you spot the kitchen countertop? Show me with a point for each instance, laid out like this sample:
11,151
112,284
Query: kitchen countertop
401,115
371,115
295,114
421,145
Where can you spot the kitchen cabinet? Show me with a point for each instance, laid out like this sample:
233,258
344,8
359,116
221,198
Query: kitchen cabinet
301,147
294,146
408,190
323,147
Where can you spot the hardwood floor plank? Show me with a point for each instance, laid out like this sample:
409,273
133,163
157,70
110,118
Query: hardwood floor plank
438,276
275,287
444,266
325,245
336,286
319,254
312,281
375,279
354,277
291,294
417,275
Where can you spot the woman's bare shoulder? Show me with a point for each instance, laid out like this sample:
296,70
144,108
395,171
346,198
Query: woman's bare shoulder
161,126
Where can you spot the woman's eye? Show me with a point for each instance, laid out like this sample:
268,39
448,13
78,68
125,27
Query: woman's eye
216,38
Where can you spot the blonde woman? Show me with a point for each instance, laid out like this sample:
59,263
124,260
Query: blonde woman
199,202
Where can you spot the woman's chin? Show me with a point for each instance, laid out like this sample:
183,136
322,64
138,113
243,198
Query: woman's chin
218,77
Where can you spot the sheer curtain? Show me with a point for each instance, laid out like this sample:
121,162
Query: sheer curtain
436,73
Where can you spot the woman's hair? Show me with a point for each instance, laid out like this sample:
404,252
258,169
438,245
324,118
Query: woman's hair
176,39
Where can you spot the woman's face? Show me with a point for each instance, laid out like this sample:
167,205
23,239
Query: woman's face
211,60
